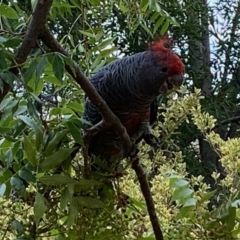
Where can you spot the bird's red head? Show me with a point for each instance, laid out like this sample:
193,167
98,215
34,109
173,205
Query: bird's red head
172,63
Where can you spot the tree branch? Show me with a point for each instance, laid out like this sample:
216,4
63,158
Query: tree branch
142,178
39,19
230,120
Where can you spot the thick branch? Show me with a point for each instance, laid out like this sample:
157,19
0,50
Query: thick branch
93,95
39,19
142,178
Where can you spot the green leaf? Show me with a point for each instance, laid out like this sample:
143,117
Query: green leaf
56,158
207,196
76,133
236,232
91,35
19,129
3,39
30,123
38,89
8,12
89,202
144,5
180,183
40,69
190,202
38,141
33,4
141,205
2,189
32,110
173,178
164,28
96,62
36,98
20,110
30,151
95,2
181,193
3,62
17,183
73,212
108,52
26,175
16,147
17,226
10,108
5,129
39,208
236,203
106,43
51,146
158,24
62,237
76,3
13,42
14,109
100,65
5,102
157,7
31,69
87,184
154,17
70,63
67,111
123,8
58,67
152,4
66,196
184,211
173,21
231,218
146,29
53,80
55,111
9,156
78,107
57,180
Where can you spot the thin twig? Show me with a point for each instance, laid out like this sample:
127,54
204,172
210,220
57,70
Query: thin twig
230,120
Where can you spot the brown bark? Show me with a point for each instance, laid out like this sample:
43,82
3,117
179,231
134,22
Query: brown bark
39,19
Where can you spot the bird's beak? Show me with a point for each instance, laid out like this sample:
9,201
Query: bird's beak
171,84
175,81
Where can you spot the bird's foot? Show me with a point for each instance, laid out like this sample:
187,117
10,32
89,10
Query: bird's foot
152,141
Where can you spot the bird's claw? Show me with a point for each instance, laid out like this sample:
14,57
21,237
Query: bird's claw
152,141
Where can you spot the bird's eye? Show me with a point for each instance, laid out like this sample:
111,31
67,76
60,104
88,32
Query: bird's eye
164,69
